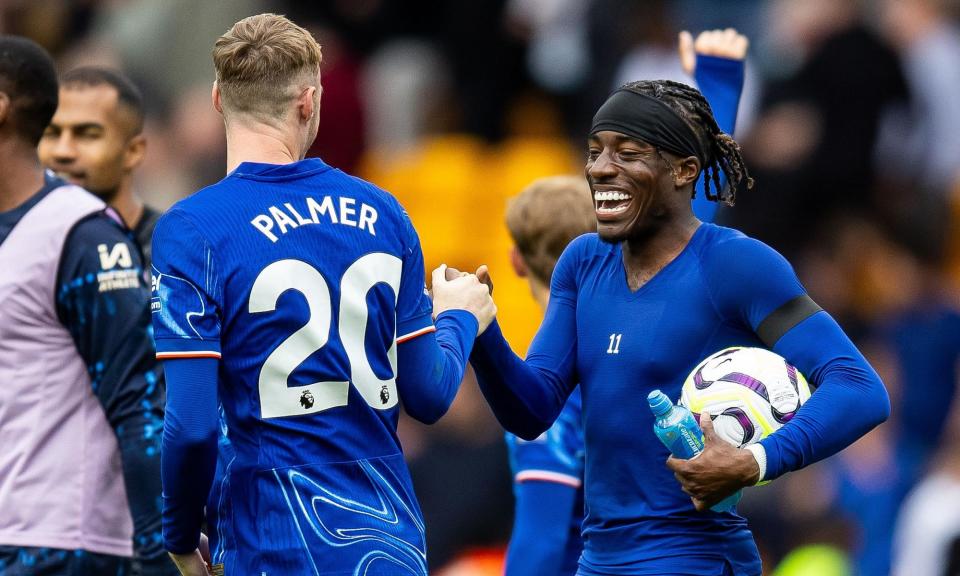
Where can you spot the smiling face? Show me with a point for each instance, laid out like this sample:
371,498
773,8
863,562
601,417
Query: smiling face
633,185
91,142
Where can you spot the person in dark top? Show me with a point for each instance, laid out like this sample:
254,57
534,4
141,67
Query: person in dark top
96,141
81,406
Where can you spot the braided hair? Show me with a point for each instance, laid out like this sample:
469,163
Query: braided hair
723,152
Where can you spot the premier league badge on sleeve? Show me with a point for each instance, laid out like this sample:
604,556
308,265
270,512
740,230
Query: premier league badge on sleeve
306,400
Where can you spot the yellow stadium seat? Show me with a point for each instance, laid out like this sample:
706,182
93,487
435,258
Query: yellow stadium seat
455,189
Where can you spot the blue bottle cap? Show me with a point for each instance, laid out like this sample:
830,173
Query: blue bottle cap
659,403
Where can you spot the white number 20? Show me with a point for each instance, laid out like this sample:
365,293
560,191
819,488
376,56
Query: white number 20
277,399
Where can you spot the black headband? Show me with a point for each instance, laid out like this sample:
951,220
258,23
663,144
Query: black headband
648,119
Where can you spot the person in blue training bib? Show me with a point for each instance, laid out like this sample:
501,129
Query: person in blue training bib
290,311
542,220
635,307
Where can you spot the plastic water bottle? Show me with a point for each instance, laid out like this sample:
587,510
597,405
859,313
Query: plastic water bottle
679,431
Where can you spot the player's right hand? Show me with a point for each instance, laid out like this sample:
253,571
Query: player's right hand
463,292
717,472
483,275
720,43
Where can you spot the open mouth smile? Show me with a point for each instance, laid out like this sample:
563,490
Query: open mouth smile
610,204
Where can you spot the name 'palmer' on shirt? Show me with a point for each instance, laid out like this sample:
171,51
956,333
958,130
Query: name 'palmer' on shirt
342,210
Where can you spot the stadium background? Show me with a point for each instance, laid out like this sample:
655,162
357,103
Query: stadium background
850,123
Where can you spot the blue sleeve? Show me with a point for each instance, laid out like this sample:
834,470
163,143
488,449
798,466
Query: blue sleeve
721,83
103,302
540,529
526,396
750,280
431,366
186,290
414,308
189,454
848,402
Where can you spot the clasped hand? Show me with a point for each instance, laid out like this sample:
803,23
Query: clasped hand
719,471
455,290
196,563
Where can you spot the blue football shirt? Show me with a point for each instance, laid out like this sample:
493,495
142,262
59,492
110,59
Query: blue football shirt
619,345
302,280
557,455
723,289
638,520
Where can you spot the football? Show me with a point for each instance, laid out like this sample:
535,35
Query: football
748,392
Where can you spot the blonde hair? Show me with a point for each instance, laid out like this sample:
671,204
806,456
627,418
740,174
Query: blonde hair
547,216
262,62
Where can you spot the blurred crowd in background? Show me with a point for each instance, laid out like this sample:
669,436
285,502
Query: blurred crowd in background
850,123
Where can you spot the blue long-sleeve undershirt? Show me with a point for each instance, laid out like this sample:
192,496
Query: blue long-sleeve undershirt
526,396
189,454
721,82
849,401
431,367
429,371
